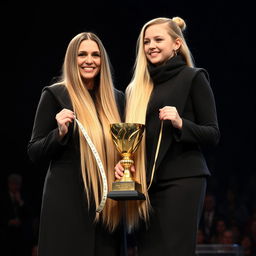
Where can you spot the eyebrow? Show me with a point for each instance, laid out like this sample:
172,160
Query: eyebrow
87,52
154,36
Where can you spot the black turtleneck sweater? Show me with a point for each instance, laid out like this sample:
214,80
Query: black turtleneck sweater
187,89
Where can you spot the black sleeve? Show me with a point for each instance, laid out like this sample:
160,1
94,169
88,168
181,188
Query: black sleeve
45,141
204,130
120,100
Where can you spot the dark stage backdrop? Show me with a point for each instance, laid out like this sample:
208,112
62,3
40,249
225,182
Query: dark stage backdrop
35,36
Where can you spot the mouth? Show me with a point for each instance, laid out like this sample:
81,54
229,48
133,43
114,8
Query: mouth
153,54
88,69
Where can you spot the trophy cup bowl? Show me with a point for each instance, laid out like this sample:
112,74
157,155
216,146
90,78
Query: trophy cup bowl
127,138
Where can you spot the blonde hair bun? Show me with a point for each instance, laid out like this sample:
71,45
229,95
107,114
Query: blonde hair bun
180,22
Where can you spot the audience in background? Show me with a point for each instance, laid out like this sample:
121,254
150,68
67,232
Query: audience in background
228,237
233,208
247,245
201,239
218,232
209,216
19,225
16,217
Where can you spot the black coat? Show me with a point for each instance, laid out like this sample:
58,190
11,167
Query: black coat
66,224
179,183
181,151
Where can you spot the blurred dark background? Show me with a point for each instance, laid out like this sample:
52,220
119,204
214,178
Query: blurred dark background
34,37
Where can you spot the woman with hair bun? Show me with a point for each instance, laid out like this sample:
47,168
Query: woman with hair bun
176,103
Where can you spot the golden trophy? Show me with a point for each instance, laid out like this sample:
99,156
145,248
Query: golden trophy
126,137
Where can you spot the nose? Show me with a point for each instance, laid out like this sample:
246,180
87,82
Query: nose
152,44
88,59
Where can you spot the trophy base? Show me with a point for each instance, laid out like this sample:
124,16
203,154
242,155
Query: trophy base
126,195
126,190
126,185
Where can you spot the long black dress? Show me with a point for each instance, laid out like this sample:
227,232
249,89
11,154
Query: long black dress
66,224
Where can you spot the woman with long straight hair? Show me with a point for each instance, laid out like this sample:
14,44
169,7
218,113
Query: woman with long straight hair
176,103
71,133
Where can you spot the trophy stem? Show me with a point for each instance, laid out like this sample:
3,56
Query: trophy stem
126,162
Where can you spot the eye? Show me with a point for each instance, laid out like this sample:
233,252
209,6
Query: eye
82,54
159,39
96,54
146,42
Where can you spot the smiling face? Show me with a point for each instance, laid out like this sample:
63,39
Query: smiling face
159,46
88,60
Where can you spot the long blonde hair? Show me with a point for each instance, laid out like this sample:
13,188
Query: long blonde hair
96,118
137,97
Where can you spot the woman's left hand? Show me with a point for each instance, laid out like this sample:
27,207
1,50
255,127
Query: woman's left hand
171,113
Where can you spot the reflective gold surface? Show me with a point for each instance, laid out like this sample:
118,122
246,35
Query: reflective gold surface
126,137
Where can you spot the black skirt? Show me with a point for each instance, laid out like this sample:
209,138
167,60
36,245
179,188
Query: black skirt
177,207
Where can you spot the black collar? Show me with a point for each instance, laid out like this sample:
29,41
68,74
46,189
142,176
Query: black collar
164,72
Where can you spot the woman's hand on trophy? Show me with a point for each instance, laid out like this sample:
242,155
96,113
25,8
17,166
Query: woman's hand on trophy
119,171
133,168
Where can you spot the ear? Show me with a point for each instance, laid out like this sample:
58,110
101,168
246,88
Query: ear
178,43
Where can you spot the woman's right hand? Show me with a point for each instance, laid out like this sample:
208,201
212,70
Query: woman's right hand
119,170
64,118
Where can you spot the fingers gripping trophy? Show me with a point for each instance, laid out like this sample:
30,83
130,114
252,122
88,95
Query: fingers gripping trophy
127,138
